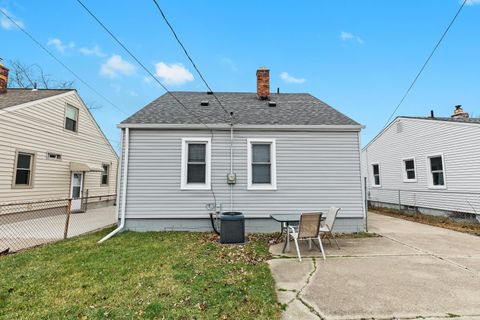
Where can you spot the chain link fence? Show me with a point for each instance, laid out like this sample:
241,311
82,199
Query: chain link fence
433,202
28,224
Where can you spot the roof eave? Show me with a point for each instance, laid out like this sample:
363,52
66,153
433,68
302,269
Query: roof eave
223,126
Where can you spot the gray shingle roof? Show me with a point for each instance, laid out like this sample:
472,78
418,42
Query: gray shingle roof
465,120
14,97
291,109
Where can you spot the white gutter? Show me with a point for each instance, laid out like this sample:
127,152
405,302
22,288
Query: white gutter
124,190
225,126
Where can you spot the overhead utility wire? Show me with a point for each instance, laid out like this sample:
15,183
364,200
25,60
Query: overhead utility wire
189,57
426,62
59,61
141,64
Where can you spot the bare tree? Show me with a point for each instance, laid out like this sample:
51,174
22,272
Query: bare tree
24,76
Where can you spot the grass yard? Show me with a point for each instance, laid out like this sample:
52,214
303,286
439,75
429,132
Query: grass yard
168,275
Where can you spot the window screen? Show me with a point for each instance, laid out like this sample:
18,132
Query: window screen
261,163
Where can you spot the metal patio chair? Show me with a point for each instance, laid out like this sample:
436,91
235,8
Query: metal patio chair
308,229
327,227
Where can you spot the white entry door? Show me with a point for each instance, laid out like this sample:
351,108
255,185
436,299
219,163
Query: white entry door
76,190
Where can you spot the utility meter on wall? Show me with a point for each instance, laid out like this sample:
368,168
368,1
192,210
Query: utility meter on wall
231,178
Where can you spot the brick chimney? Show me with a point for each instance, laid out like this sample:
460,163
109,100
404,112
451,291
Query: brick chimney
3,78
458,113
263,83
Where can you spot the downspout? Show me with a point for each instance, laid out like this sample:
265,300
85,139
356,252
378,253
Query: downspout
231,165
124,189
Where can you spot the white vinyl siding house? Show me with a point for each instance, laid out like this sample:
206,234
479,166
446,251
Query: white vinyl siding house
176,171
42,139
431,164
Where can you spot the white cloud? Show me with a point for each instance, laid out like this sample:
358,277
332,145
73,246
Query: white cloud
133,93
347,36
59,45
230,63
289,79
471,2
6,24
173,74
94,51
115,65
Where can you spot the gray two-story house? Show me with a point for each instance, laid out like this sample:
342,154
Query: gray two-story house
184,155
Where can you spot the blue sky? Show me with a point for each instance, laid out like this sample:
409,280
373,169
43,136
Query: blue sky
358,56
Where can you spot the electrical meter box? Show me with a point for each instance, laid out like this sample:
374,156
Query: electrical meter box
231,178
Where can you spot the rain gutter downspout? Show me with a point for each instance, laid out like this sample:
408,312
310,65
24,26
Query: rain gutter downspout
124,189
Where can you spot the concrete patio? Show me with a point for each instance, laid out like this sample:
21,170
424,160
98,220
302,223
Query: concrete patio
412,270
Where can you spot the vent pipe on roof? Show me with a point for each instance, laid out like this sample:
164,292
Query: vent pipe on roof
204,103
432,115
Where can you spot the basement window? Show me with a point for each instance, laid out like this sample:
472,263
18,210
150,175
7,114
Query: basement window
195,173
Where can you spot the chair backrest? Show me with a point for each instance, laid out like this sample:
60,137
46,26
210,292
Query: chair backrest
309,224
331,217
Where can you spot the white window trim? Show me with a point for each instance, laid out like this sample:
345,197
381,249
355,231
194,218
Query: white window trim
273,165
404,169
429,171
379,174
196,186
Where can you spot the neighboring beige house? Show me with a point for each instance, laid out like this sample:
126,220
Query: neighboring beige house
51,147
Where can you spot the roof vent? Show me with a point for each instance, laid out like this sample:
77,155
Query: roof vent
204,103
272,104
209,92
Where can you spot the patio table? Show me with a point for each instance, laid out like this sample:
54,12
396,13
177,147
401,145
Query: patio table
287,219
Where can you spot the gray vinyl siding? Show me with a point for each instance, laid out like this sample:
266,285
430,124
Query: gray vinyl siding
458,142
315,170
19,130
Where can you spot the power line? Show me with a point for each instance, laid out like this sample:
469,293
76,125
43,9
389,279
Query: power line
426,62
189,57
59,61
141,64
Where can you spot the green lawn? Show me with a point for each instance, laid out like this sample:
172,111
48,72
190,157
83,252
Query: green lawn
164,275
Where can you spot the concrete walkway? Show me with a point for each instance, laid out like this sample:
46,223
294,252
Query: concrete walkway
411,271
32,232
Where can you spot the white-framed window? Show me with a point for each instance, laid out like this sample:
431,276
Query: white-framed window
105,174
23,173
262,164
436,169
409,170
376,174
196,166
71,118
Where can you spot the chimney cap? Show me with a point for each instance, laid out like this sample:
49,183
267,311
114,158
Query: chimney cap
263,68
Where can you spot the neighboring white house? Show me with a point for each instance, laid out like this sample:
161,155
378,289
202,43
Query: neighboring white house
429,164
291,153
51,147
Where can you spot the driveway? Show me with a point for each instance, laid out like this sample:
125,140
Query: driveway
411,271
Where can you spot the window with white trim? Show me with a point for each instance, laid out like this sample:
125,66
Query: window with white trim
409,171
71,118
376,174
262,170
196,164
437,173
105,174
23,169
